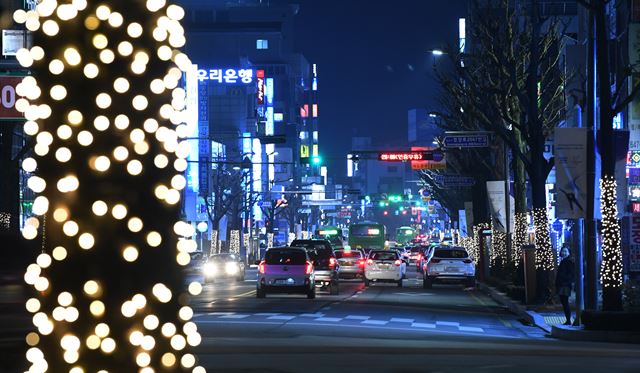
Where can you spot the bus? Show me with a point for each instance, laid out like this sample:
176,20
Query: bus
405,235
367,235
332,234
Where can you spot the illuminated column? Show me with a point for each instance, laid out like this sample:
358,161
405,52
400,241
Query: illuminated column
107,117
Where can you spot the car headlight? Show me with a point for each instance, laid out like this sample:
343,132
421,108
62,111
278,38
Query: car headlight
231,268
209,269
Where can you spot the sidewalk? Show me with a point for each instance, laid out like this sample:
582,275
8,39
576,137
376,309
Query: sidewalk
550,318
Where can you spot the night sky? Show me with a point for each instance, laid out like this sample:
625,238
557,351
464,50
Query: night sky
374,64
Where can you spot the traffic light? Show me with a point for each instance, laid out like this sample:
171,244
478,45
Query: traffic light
316,160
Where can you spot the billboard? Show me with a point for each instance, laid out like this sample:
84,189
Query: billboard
8,97
571,172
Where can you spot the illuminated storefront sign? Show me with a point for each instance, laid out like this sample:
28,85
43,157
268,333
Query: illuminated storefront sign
260,81
401,156
192,125
269,91
278,117
226,76
8,97
269,127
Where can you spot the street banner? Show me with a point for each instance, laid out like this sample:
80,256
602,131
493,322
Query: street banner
621,146
462,218
495,192
468,212
571,172
634,244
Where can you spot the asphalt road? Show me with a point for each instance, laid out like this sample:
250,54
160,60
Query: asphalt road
384,328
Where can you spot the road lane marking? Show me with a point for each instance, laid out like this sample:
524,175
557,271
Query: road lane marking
397,319
329,319
317,314
470,329
266,314
247,293
220,313
423,325
234,316
282,317
448,323
357,317
374,322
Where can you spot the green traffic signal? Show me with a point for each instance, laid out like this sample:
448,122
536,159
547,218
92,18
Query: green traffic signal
316,160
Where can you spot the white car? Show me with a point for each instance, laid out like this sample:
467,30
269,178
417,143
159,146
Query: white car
450,263
384,266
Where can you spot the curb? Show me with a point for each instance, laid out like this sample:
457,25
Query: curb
515,307
571,333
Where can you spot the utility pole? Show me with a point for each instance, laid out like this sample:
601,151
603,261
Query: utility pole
590,278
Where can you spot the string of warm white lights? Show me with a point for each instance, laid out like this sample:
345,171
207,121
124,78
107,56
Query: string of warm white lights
269,240
477,240
611,266
544,251
234,241
498,246
108,118
520,236
290,238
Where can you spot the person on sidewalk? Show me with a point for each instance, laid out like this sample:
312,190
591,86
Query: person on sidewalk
564,282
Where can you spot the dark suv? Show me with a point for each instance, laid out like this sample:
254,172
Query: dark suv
325,263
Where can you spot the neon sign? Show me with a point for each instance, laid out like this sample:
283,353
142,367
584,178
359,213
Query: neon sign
226,76
401,156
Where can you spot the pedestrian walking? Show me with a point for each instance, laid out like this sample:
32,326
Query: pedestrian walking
564,281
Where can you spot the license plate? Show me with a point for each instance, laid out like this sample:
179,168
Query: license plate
451,269
283,281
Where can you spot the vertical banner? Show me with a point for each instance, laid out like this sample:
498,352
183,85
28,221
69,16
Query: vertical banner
495,192
621,146
634,243
571,172
462,218
468,213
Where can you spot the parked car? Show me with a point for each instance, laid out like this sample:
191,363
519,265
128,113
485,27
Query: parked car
384,266
351,263
450,263
224,265
286,270
324,261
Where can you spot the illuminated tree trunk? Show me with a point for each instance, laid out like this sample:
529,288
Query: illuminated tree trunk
611,266
105,110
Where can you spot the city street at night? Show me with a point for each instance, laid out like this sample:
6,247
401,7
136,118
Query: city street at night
388,329
301,186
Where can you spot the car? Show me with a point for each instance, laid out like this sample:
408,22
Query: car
351,263
449,263
425,256
414,254
224,265
324,261
286,270
384,266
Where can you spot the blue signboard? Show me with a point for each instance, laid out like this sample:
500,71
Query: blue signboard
467,141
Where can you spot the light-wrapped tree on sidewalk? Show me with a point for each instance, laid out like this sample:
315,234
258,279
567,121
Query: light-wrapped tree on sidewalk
106,110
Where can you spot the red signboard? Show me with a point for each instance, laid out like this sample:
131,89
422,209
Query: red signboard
635,207
260,80
401,156
8,97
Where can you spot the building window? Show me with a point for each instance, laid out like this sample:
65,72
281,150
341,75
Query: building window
262,44
392,169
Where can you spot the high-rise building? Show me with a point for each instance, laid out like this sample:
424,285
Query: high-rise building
256,96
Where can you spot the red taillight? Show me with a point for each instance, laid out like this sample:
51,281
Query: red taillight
468,261
261,267
332,262
435,260
309,268
361,263
419,257
370,262
397,262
